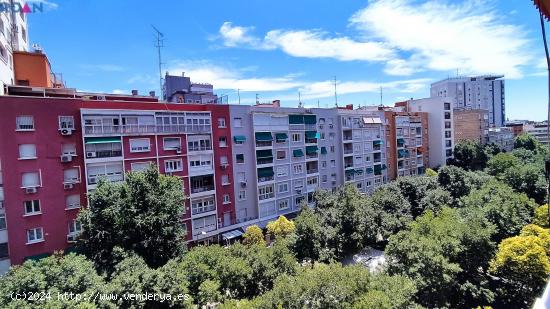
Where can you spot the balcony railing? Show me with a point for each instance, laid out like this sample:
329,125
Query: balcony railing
107,153
311,156
311,141
203,209
200,148
94,179
202,189
133,129
348,138
266,196
348,151
348,165
263,144
265,179
264,161
312,171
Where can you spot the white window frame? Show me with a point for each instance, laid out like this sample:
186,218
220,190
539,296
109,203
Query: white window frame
238,122
33,156
19,123
296,137
72,206
64,120
242,195
76,227
284,185
35,235
3,222
39,184
282,171
222,141
72,180
226,199
171,166
225,180
66,146
297,169
283,202
134,168
36,208
141,148
277,154
171,148
221,122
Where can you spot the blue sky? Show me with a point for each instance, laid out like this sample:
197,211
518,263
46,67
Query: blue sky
280,48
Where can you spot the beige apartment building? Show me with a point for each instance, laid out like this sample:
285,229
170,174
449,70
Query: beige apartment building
471,124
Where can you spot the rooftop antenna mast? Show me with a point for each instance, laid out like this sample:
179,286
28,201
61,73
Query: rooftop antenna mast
257,99
381,96
239,95
159,45
335,94
300,100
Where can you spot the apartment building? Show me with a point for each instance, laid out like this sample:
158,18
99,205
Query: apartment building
471,124
441,127
180,89
502,137
539,131
13,38
475,92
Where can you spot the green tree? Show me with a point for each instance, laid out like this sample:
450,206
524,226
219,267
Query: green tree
443,254
541,216
453,179
329,286
523,266
142,214
435,200
470,155
415,189
52,275
430,172
281,227
254,236
500,163
308,241
209,293
529,142
392,211
509,211
528,179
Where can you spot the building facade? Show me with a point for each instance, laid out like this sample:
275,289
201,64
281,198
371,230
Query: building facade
502,137
13,37
539,131
441,127
471,124
477,92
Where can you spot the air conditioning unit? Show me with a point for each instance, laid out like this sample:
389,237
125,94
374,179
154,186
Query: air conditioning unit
331,126
101,98
68,186
71,238
178,150
66,158
92,180
30,190
224,166
91,154
66,131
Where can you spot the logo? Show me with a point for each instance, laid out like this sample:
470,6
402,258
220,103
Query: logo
25,8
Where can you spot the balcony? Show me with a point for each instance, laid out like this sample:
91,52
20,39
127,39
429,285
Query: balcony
266,196
260,144
312,171
103,154
200,184
143,129
195,190
265,179
115,177
199,148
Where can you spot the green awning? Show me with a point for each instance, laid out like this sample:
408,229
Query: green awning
377,143
402,153
239,138
350,172
311,149
401,141
281,137
369,170
101,140
295,119
323,150
311,134
265,172
310,119
264,154
264,137
358,171
297,153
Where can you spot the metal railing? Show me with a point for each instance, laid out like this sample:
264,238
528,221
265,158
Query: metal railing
132,129
202,189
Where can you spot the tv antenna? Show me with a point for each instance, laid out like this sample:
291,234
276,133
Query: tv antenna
300,100
159,44
335,94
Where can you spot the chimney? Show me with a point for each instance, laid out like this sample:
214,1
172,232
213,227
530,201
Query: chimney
134,92
152,93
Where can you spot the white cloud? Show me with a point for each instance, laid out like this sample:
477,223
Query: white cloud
306,43
103,67
229,78
467,36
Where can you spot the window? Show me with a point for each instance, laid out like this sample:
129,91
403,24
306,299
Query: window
240,158
447,124
172,143
2,222
71,175
225,179
35,235
68,149
331,136
223,141
237,122
447,134
296,137
202,205
324,178
265,192
281,154
75,228
323,164
447,106
72,201
29,180
283,204
298,168
332,149
322,135
25,123
283,187
448,143
449,152
226,199
242,195
221,122
223,160
27,151
282,171
447,115
139,166
66,122
241,176
172,166
332,163
141,145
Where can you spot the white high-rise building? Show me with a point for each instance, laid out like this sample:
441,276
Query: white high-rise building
477,92
13,37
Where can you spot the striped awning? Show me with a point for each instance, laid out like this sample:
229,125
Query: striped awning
101,140
264,137
239,138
